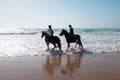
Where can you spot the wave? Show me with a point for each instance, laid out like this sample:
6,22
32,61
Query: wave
26,31
19,50
18,33
94,40
99,30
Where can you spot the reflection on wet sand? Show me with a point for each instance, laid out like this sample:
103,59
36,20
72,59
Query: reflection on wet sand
51,63
67,67
72,63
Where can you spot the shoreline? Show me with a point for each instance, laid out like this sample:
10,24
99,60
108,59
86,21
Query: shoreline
62,67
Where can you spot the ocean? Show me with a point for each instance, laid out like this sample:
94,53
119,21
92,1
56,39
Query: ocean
28,42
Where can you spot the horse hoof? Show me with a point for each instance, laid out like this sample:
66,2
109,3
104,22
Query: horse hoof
60,51
83,49
72,48
66,51
47,49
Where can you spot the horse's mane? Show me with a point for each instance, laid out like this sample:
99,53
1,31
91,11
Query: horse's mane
64,30
44,32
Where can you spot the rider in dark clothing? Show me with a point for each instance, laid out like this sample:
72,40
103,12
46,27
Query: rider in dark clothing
71,30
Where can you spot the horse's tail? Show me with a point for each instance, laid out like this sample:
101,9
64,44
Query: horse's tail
80,43
59,44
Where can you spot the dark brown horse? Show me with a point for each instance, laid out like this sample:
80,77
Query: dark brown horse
54,40
71,39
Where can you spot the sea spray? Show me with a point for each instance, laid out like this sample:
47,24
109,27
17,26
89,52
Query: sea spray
28,42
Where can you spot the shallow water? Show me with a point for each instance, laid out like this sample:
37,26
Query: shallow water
27,42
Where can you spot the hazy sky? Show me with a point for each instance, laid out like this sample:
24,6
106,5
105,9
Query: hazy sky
59,13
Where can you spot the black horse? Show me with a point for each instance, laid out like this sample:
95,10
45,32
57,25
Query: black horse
54,40
71,38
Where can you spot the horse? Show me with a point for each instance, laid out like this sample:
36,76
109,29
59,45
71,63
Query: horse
71,38
54,40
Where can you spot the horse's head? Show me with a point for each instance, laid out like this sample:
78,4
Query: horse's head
43,34
63,32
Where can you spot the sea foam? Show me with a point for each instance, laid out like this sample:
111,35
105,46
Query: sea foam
28,42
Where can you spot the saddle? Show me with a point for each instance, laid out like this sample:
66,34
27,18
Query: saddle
50,38
72,38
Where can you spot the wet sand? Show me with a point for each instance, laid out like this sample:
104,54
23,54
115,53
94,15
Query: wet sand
62,67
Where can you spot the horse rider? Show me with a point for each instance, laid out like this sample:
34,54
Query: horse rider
71,30
50,32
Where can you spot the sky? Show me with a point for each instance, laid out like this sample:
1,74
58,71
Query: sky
59,13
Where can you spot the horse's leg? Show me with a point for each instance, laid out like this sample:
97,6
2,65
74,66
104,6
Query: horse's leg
47,45
68,46
76,44
54,46
77,40
80,44
59,45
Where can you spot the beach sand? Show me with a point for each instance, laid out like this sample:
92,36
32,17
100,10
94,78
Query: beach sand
62,67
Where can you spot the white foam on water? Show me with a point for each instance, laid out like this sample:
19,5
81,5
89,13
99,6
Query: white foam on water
33,45
103,48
